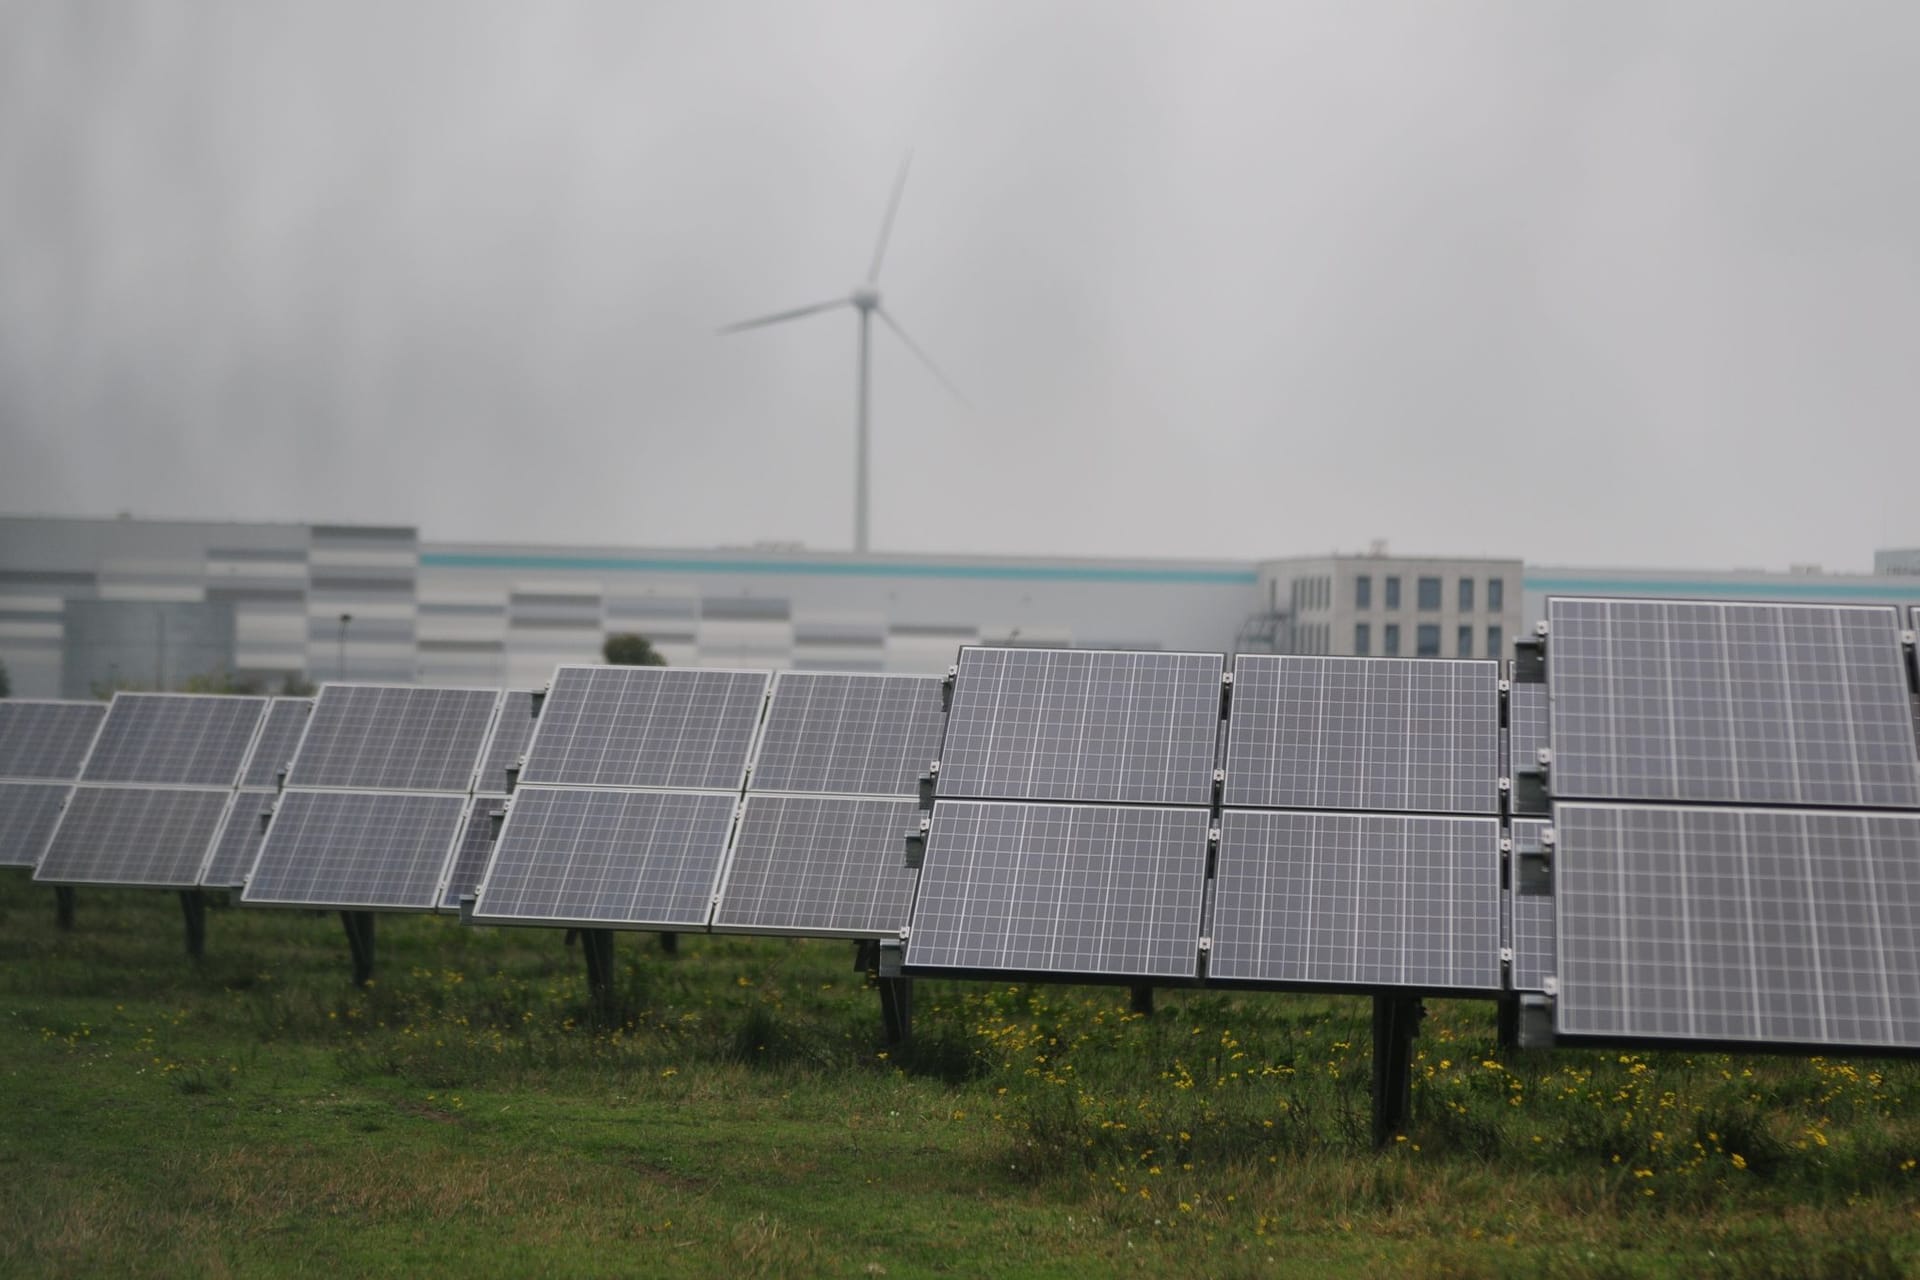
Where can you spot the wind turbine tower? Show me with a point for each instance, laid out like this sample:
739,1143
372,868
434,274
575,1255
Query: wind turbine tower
865,300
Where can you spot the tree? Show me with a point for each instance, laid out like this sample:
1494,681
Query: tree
626,649
296,685
221,680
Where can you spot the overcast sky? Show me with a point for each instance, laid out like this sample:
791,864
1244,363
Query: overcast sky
1587,283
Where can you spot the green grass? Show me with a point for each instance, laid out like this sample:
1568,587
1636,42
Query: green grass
255,1114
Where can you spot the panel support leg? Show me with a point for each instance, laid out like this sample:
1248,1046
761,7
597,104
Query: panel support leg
1143,999
597,946
1507,1023
896,1008
193,906
572,936
63,908
359,927
1396,1020
669,944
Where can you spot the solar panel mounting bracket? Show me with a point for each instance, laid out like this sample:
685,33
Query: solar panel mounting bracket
928,781
1535,1029
946,687
1226,693
916,842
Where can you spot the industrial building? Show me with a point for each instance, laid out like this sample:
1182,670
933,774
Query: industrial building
89,604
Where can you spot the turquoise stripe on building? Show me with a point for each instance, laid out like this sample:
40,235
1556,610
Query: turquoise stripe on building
1813,589
844,569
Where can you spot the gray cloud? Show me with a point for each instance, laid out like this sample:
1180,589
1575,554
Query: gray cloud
1621,283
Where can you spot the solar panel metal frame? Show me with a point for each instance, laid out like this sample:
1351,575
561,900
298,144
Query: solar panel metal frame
907,811
1264,764
767,738
74,709
546,726
1569,867
1188,976
282,827
23,807
95,760
79,809
1575,769
1187,779
1530,931
525,797
296,782
1488,827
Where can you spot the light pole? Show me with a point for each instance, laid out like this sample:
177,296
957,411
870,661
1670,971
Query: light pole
341,673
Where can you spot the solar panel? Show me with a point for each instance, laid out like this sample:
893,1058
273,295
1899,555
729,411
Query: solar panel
279,736
356,850
849,734
1531,929
476,846
139,837
1357,900
512,730
1061,890
394,738
673,728
1393,734
1747,703
28,812
174,739
818,866
46,739
1082,724
1744,925
1526,726
644,859
239,841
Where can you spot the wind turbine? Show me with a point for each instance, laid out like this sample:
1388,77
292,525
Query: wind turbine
864,299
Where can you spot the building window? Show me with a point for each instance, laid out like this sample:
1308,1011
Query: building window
1390,638
1496,592
1466,643
1393,592
1362,639
1363,591
1427,640
1429,597
1493,642
1466,595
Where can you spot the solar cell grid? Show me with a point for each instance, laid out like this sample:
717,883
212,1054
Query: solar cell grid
174,739
1392,734
1742,703
664,727
512,730
394,738
476,846
849,734
1532,923
28,812
1742,925
1357,900
1526,726
46,739
577,856
279,736
238,843
1084,725
356,850
139,837
1064,889
820,866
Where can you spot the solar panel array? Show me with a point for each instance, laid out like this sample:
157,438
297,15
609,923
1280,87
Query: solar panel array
46,739
1527,733
1375,734
28,813
394,738
1357,900
174,739
357,850
476,846
1530,924
844,734
818,866
238,843
1660,700
1061,889
512,730
279,738
1083,725
658,727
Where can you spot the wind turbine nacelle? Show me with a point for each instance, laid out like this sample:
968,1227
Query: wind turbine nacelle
866,297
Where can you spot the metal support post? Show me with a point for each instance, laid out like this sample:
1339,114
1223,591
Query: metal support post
669,944
597,946
193,906
896,993
1143,999
63,908
359,927
1396,1021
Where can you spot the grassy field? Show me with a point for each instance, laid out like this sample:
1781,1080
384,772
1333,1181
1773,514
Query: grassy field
255,1114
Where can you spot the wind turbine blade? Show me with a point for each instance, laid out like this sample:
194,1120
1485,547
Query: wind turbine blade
886,225
925,359
780,317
